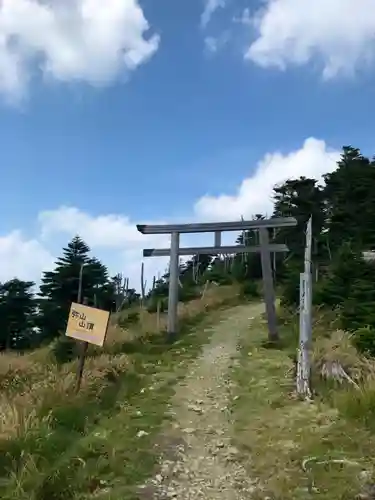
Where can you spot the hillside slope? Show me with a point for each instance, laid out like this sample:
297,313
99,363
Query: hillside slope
58,445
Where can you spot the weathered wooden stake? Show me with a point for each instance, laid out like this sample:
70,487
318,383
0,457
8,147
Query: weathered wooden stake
83,347
205,289
173,288
268,286
305,325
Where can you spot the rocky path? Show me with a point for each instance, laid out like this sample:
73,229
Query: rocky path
198,460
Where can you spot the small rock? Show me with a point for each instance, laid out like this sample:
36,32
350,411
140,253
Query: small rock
195,408
365,475
171,494
142,433
231,453
188,430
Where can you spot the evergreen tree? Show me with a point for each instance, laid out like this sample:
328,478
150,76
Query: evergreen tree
300,198
17,315
247,266
193,270
350,201
61,287
346,268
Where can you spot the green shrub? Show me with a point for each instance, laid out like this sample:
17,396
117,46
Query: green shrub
346,272
130,318
358,310
250,289
290,286
187,293
152,305
364,340
64,349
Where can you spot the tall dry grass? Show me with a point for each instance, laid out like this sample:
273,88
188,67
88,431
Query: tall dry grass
339,349
34,382
345,376
149,324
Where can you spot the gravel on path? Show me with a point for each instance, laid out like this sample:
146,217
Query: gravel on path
199,461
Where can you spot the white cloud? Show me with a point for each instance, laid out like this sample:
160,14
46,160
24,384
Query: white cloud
211,6
23,258
214,44
254,195
211,44
71,40
115,240
112,231
339,33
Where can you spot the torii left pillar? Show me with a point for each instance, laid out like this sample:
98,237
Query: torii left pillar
173,287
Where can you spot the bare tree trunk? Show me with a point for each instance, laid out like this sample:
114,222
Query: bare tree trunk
143,283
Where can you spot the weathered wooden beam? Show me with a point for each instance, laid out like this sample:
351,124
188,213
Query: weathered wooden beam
208,227
166,252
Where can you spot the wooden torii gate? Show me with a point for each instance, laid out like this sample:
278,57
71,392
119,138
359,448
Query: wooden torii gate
265,249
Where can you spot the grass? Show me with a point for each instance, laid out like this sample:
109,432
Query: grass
277,433
56,445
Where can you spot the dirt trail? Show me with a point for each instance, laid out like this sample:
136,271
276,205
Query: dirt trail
198,460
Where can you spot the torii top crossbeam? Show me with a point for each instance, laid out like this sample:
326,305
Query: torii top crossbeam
208,227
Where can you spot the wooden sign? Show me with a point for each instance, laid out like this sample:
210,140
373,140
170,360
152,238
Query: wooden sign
87,324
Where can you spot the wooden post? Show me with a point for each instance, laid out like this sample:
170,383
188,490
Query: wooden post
308,277
303,355
305,329
81,364
82,358
268,287
217,239
173,288
158,316
204,289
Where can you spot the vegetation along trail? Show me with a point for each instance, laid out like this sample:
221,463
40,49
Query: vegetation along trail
198,461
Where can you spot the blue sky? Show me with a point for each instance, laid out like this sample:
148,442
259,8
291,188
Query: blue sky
143,112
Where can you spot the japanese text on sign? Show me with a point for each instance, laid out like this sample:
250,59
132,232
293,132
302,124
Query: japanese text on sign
83,323
88,324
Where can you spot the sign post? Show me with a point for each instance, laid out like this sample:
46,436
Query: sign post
81,364
89,325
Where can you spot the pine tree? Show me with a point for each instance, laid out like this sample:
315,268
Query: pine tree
346,268
299,198
17,315
350,201
60,287
193,270
247,266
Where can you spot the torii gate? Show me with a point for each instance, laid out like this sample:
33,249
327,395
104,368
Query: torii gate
265,249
